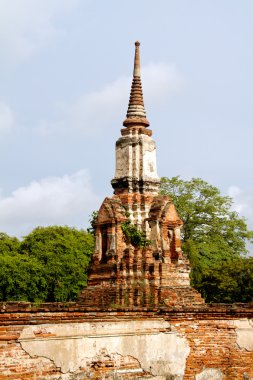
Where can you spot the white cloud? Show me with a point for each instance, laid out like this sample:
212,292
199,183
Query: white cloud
233,191
26,26
99,109
66,200
6,118
243,202
159,80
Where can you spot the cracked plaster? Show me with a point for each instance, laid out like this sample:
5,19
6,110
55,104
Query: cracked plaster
75,345
244,332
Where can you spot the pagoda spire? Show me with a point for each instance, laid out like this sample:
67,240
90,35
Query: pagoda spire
135,150
136,114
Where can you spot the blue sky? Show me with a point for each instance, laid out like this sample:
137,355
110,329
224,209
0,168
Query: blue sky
65,74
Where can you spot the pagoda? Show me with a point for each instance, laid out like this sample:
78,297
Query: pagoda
138,260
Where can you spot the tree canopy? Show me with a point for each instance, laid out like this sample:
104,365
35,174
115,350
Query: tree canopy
49,264
214,238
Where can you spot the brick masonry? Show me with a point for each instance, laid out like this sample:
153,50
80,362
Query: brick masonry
59,341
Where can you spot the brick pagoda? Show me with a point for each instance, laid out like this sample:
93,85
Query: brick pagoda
122,273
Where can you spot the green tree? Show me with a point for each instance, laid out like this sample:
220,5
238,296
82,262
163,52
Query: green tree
229,281
50,264
65,254
22,278
212,233
8,244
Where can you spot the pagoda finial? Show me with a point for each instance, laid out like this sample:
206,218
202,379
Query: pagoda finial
137,68
136,114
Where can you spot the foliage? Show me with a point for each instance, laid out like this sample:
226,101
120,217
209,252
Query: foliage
205,211
50,264
92,221
212,235
21,278
134,236
229,281
8,244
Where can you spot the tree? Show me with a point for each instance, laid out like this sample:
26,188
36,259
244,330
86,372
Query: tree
229,281
22,278
212,233
50,264
19,275
65,254
8,244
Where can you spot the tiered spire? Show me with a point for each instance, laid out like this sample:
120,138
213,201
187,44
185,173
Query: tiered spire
136,114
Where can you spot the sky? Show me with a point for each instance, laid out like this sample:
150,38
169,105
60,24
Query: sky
65,74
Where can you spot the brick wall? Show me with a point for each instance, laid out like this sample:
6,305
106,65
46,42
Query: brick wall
59,341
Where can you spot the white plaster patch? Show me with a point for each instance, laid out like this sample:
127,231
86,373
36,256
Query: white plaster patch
71,346
210,374
149,159
244,332
136,157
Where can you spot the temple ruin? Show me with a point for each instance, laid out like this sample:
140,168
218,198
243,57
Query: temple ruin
122,272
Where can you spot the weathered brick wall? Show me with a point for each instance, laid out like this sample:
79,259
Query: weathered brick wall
214,345
220,342
59,341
